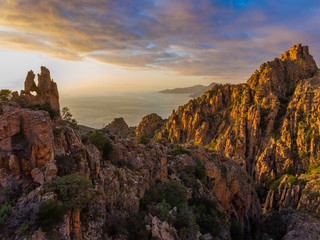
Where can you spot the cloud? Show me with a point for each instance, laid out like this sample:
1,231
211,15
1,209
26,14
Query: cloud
204,38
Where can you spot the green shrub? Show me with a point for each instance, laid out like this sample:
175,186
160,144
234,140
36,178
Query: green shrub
143,139
13,192
293,180
117,225
65,164
48,108
67,117
25,230
274,226
100,141
74,190
5,212
50,214
155,195
289,169
133,227
175,193
185,223
208,217
172,192
85,139
177,150
236,230
5,95
137,227
314,169
275,184
164,209
159,140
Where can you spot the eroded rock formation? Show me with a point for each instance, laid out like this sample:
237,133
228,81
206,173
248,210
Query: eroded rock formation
149,125
45,92
239,142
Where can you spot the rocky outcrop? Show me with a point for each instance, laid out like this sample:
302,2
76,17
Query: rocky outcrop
118,127
262,135
26,141
161,229
149,125
255,123
281,75
302,227
46,92
301,193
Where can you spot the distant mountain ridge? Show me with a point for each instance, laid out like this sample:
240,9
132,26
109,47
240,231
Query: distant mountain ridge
195,91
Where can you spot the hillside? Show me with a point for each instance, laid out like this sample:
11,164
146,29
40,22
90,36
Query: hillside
240,162
269,125
104,184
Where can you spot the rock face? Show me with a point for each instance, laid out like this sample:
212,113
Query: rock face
149,125
303,227
45,92
239,140
245,121
118,127
270,126
26,141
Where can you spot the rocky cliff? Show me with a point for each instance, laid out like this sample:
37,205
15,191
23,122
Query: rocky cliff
45,92
57,183
255,123
224,152
149,125
269,125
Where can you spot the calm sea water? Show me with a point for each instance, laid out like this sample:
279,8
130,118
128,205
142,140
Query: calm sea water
98,111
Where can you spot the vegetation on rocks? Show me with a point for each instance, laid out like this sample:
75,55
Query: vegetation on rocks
50,214
98,138
264,133
5,95
74,191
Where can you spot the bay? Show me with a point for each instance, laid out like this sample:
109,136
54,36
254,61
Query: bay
97,111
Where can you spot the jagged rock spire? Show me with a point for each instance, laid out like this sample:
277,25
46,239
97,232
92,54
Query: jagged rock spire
46,90
281,75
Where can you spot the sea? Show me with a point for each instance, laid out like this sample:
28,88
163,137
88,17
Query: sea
98,111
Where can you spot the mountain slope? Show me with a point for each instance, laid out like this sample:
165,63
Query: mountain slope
246,121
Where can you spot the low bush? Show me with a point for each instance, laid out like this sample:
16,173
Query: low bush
5,212
175,193
50,214
97,138
74,190
54,114
5,95
172,192
164,209
236,230
65,164
185,223
133,227
25,230
143,139
177,150
208,217
13,192
314,169
274,225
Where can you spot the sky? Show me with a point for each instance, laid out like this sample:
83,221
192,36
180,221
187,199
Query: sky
101,46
